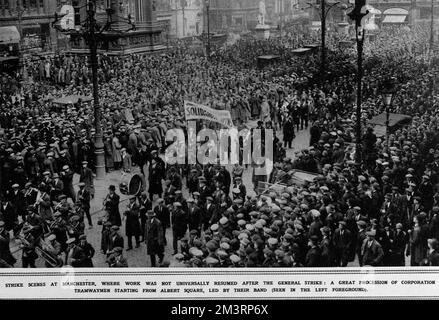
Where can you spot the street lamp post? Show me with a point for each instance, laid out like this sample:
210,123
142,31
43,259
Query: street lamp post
324,11
432,28
208,28
388,92
99,144
357,14
323,35
90,32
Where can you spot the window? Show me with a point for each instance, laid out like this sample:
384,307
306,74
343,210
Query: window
425,12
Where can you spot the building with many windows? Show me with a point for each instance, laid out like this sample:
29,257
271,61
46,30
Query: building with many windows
32,18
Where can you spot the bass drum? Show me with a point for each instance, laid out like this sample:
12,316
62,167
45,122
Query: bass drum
132,184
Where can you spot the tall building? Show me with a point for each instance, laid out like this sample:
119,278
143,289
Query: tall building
32,18
238,15
131,27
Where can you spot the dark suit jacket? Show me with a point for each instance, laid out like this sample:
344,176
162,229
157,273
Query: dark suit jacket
210,215
433,258
372,256
84,196
5,252
154,237
342,242
163,215
399,243
115,241
313,257
194,218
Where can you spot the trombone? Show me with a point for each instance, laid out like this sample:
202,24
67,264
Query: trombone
52,261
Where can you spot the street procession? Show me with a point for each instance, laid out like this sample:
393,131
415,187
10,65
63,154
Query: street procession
109,152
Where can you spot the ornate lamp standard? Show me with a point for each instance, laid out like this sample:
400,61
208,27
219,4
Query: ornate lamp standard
388,92
207,4
324,9
91,32
357,14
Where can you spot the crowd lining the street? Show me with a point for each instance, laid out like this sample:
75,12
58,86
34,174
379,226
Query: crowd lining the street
375,211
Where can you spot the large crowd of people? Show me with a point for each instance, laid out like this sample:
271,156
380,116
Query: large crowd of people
375,211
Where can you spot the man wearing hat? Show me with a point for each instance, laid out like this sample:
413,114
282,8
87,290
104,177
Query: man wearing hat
203,189
156,174
111,204
84,197
432,254
8,215
6,257
57,186
361,236
66,176
116,259
115,239
314,255
241,187
426,192
399,245
17,201
132,223
371,250
74,254
88,250
195,216
210,213
342,243
52,247
327,249
192,180
179,224
30,194
86,176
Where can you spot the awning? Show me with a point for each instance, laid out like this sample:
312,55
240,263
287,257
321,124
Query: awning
300,51
394,19
9,34
268,57
394,119
10,58
73,99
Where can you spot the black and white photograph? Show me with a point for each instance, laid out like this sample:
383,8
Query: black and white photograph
219,134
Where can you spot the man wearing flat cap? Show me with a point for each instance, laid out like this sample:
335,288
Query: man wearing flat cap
371,250
154,238
66,176
6,257
399,246
86,176
342,244
314,255
84,197
360,237
210,213
116,259
240,186
115,239
179,224
88,250
75,256
426,192
195,216
111,205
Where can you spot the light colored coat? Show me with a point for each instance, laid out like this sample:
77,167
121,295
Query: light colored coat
117,155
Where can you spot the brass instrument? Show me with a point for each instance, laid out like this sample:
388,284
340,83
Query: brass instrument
53,262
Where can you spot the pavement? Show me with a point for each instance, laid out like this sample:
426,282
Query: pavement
138,256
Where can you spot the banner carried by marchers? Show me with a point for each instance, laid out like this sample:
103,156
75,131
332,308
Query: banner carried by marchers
195,111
